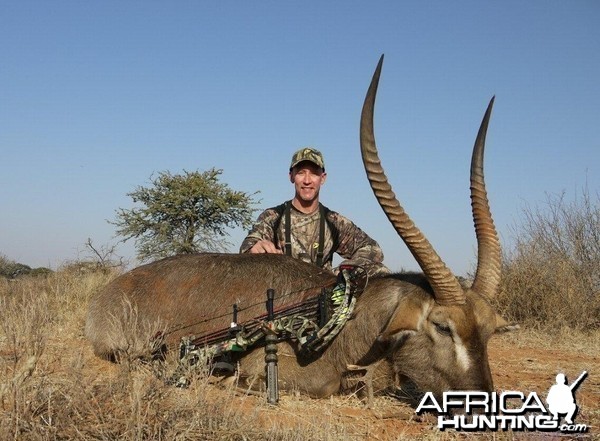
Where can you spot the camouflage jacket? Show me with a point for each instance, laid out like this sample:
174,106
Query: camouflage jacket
341,236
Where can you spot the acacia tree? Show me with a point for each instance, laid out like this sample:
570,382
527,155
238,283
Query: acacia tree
182,214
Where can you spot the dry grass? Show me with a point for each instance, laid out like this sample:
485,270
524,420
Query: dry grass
551,278
52,387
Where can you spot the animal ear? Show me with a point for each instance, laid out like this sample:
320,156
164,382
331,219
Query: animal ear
408,316
503,326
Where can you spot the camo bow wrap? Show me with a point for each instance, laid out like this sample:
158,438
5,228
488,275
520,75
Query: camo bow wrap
298,323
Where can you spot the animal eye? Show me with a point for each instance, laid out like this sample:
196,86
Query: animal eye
443,329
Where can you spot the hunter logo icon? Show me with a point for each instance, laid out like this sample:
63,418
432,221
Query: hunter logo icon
561,397
507,410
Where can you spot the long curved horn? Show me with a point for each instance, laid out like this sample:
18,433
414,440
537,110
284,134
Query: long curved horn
487,276
445,286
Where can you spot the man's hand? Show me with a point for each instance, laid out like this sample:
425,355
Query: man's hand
264,246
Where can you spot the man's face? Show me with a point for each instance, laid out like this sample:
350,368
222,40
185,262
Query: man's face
307,179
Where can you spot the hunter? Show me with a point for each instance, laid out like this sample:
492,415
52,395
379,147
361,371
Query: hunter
307,230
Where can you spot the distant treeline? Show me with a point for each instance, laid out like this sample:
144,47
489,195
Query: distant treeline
11,269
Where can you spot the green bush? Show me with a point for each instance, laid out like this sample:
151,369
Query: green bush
11,269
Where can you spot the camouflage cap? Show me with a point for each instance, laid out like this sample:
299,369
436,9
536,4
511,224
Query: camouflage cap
308,154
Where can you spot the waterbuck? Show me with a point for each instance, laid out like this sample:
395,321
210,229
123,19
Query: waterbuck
423,327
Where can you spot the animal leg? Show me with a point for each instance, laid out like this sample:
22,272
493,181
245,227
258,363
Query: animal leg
366,379
317,379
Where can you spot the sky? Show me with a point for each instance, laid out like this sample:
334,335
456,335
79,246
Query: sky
96,97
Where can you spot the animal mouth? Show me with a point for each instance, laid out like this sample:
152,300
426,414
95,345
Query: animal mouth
407,391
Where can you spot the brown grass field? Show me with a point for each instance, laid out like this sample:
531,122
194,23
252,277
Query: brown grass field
53,388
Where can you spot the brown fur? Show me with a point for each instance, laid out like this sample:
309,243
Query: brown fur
193,294
398,329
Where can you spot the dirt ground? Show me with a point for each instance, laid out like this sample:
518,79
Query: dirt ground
519,361
68,393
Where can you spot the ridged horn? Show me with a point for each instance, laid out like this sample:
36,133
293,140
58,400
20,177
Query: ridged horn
487,276
445,286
